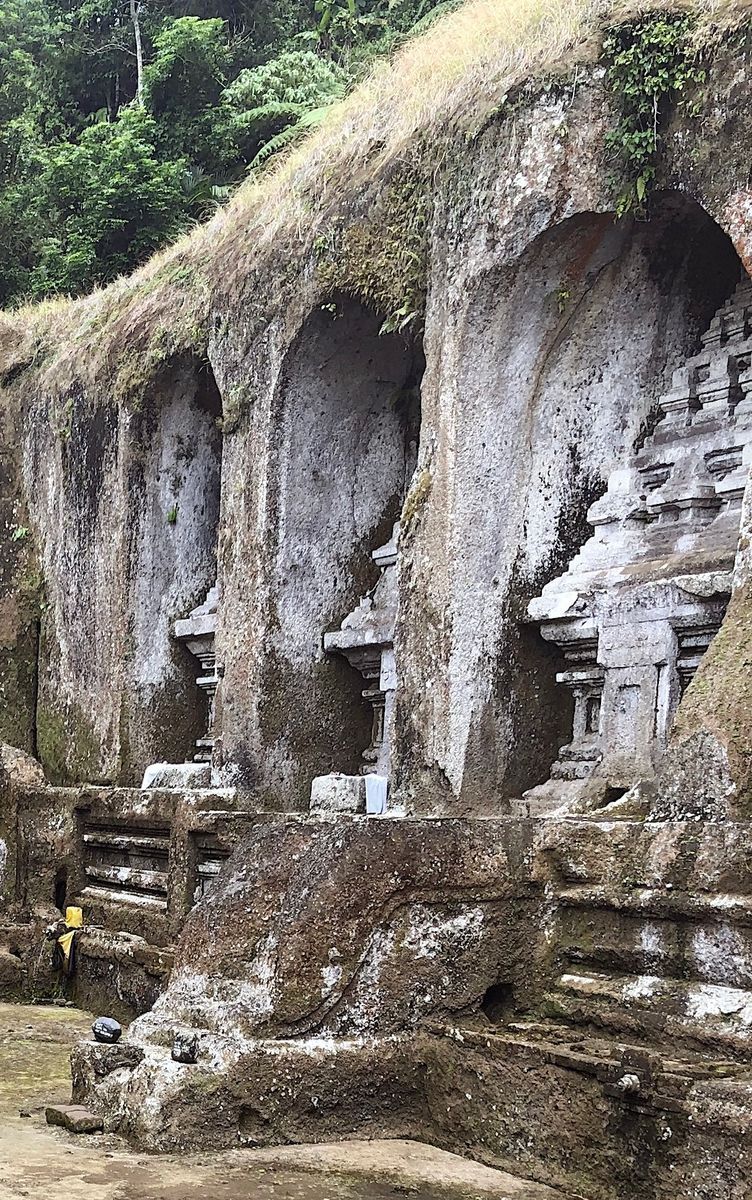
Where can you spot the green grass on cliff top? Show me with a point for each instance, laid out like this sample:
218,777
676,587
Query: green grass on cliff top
448,78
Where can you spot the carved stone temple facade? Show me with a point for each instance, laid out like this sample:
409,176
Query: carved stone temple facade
448,835
640,603
198,631
366,640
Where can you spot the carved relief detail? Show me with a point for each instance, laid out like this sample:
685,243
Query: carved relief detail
641,601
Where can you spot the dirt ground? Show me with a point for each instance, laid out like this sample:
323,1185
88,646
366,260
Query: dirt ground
41,1163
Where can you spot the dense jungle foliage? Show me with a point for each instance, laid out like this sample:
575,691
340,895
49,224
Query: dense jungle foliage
123,121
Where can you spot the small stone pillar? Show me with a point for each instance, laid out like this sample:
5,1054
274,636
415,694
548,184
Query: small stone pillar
366,639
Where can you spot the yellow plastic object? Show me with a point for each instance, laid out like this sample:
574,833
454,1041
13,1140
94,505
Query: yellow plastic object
65,940
74,918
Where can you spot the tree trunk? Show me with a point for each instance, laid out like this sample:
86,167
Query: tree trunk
135,10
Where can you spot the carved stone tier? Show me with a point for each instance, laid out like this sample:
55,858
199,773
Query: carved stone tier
197,632
366,639
641,601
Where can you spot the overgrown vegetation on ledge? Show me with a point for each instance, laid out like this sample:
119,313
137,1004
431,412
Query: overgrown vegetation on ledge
352,202
651,63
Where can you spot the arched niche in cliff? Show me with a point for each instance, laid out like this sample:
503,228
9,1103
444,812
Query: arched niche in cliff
345,429
174,472
124,503
550,368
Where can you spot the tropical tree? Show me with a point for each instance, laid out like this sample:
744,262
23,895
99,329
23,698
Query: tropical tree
121,121
109,203
267,107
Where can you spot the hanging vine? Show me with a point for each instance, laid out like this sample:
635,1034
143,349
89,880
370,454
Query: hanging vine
649,65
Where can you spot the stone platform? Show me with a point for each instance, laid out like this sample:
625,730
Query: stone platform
566,999
135,861
37,1161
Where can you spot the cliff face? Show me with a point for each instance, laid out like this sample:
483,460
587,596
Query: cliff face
124,507
465,339
550,332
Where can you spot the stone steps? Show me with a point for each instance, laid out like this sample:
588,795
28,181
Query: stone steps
660,902
654,959
710,1018
706,951
588,1110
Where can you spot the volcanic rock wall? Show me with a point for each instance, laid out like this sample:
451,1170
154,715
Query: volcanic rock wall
551,330
456,973
124,507
314,481
549,368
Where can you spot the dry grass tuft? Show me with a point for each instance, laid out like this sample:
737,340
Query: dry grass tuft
451,75
447,79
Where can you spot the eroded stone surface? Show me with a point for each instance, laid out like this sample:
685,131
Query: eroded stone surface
37,1160
496,977
569,996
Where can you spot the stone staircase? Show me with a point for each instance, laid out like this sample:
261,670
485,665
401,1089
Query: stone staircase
638,1054
654,935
